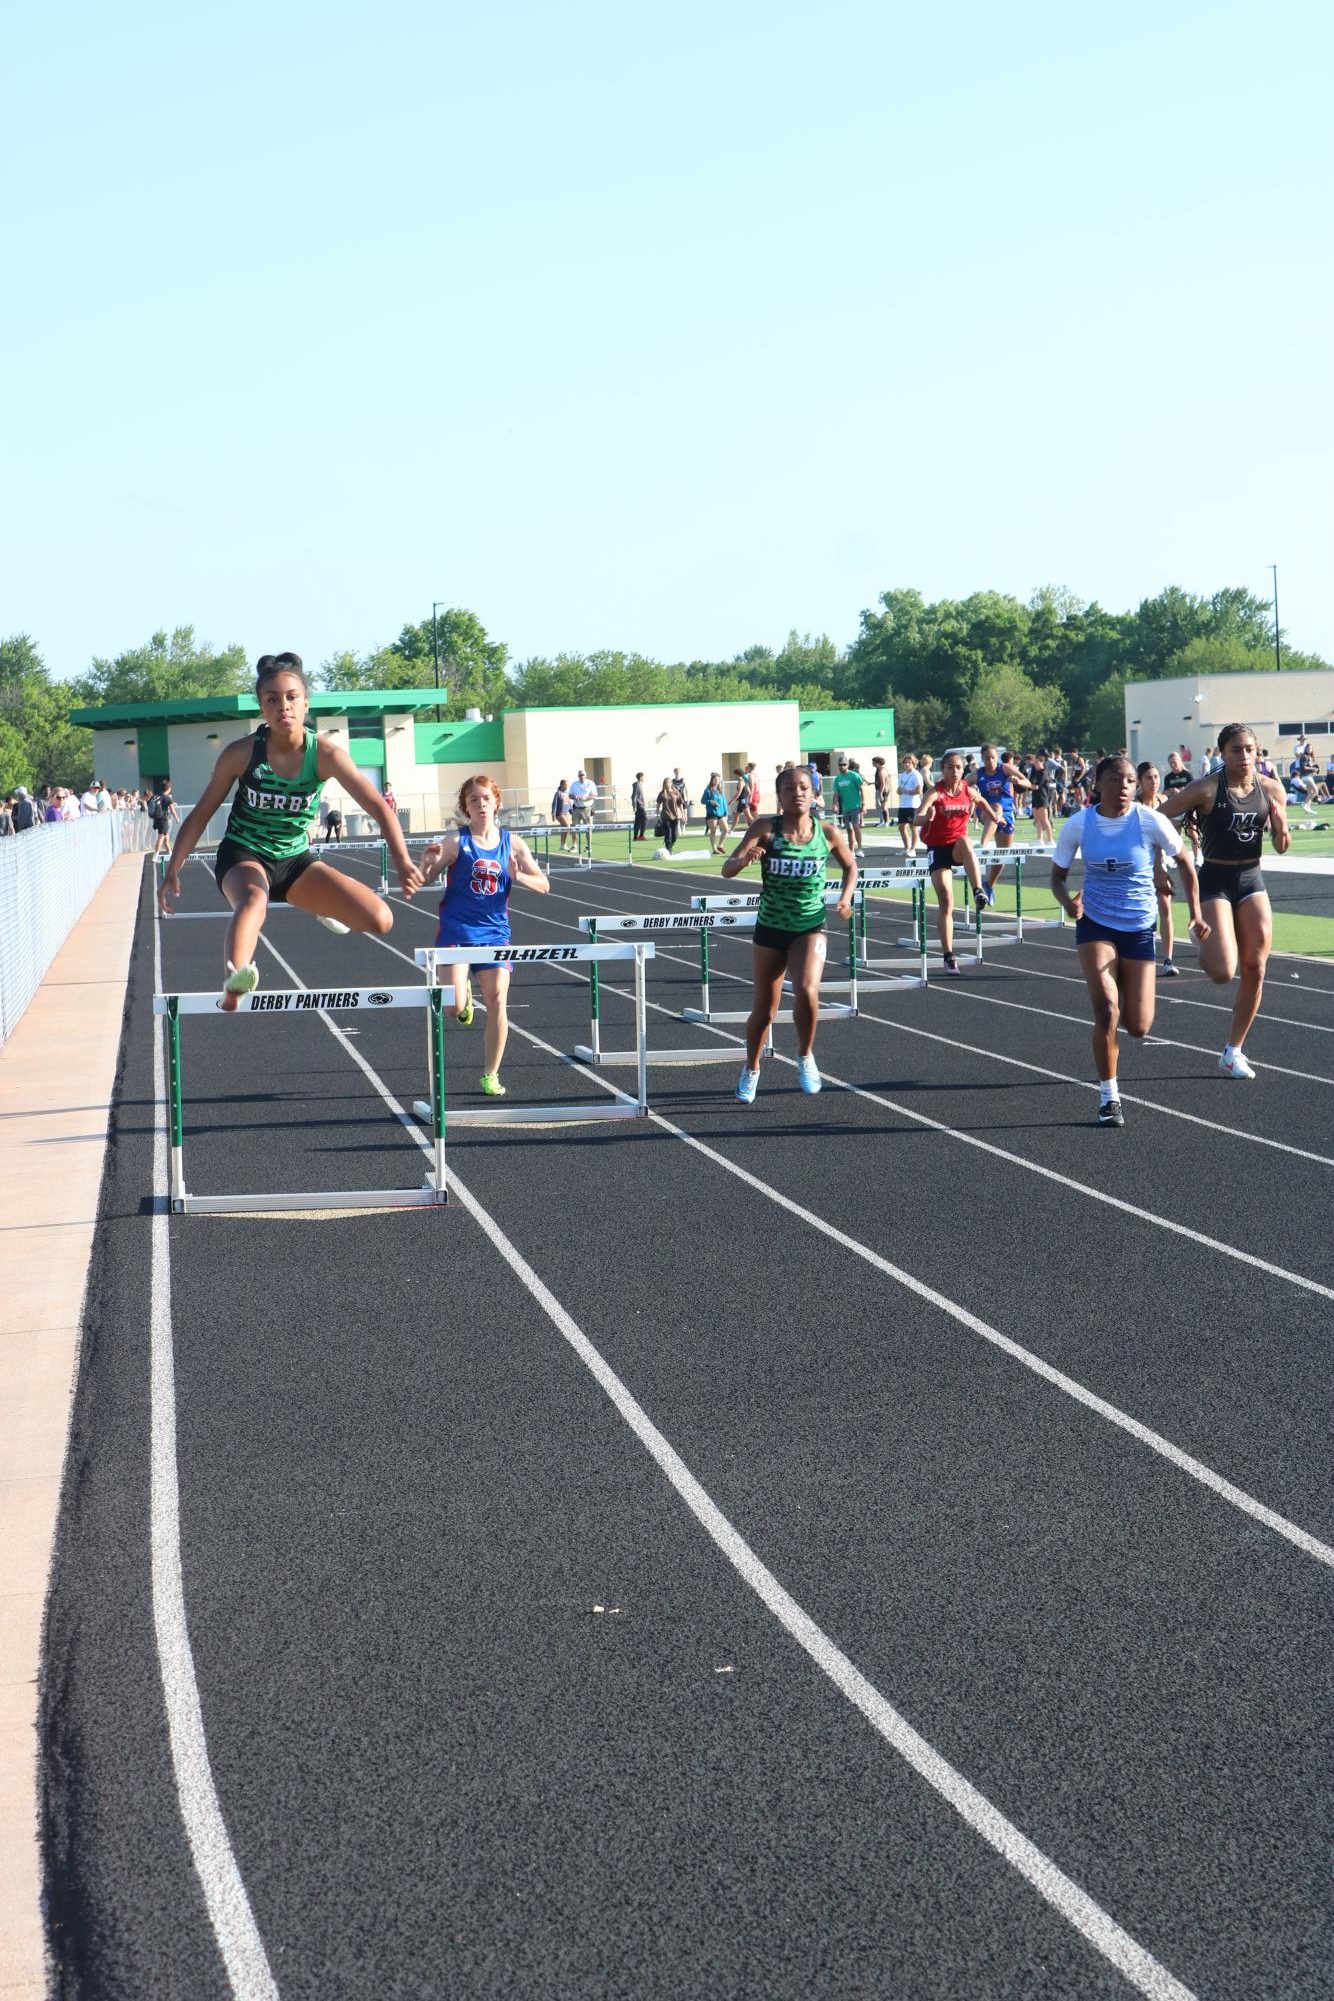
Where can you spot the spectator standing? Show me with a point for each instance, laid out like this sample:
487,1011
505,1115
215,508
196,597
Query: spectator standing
583,798
682,793
69,804
911,787
817,791
560,814
881,789
849,787
714,801
669,814
25,812
6,817
639,807
161,812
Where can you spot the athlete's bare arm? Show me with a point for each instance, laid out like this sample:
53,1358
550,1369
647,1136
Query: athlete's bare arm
524,869
1190,882
753,842
1197,797
989,812
231,763
438,856
1073,906
1279,832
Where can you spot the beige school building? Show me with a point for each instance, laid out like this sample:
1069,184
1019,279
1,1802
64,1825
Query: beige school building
1161,715
392,735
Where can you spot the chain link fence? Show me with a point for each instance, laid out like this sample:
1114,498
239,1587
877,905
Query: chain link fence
47,879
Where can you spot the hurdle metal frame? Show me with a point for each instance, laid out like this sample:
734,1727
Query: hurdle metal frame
620,1106
280,1003
836,1011
580,860
701,922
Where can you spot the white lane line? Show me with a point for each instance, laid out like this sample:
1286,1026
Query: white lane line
1171,999
1057,1889
1063,1181
1084,1084
963,992
1237,1496
243,1956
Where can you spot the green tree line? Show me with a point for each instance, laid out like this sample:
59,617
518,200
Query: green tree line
956,670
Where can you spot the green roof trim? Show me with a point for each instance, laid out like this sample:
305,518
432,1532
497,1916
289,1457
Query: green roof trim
240,708
476,744
847,729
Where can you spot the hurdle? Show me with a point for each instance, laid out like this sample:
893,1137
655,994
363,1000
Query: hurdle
301,1000
583,856
706,1012
695,921
624,1107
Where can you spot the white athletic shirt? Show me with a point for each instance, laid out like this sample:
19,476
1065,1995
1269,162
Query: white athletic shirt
910,788
1118,863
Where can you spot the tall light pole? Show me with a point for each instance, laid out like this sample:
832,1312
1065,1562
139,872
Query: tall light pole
435,650
1278,655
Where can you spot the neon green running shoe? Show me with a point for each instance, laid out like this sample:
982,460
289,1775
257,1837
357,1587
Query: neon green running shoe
240,979
491,1085
464,1015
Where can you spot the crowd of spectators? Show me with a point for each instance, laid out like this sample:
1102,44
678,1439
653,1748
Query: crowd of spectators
21,810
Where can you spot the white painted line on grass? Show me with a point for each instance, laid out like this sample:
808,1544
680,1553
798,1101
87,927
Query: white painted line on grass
243,1957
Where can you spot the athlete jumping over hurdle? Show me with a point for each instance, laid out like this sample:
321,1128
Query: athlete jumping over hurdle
998,781
789,938
265,855
944,823
481,863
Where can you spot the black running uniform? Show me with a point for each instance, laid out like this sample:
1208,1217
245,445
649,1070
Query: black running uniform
1232,837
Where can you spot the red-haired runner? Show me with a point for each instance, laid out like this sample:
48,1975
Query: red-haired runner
480,864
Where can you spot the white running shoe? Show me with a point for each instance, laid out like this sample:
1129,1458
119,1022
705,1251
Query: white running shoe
332,924
748,1083
240,979
808,1076
1233,1064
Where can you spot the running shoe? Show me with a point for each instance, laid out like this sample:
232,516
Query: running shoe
808,1076
240,979
748,1083
952,966
332,924
1169,970
491,1085
465,1013
1110,1113
1233,1064
985,898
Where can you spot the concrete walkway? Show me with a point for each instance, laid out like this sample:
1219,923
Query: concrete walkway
56,1076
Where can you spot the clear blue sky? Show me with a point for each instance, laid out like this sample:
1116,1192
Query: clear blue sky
665,329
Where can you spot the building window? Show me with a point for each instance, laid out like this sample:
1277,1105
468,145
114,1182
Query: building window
365,728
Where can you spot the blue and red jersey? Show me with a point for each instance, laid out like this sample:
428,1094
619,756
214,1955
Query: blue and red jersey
475,908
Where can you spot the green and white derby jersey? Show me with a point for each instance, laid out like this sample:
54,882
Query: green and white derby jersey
271,816
792,880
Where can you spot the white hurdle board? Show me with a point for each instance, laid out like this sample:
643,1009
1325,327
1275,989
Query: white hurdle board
620,1105
271,1005
836,1010
692,923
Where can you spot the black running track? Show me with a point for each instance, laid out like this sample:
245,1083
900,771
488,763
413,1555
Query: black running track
489,1713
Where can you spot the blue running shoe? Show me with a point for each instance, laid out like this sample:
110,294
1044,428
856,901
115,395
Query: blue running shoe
748,1083
808,1076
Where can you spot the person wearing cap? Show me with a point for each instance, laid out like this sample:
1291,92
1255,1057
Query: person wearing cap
582,794
849,786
